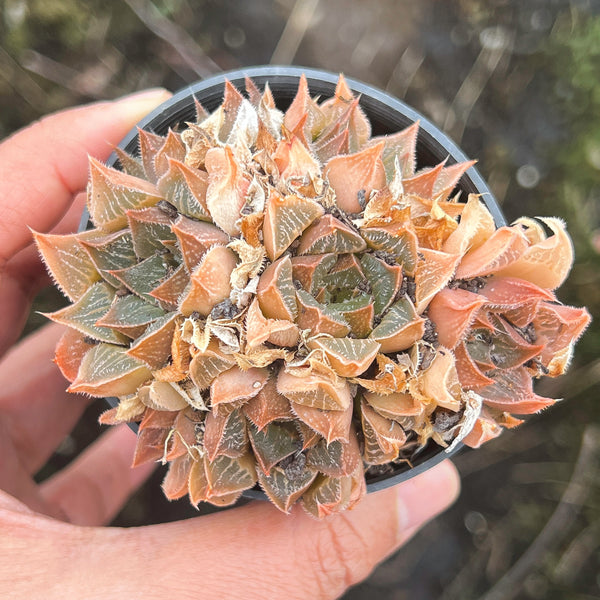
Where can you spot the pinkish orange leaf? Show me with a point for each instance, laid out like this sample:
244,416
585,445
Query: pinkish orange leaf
276,292
268,406
227,187
312,389
501,249
195,238
209,282
452,311
330,424
68,263
354,176
236,385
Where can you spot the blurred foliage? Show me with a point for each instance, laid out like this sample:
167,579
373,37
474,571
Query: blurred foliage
517,84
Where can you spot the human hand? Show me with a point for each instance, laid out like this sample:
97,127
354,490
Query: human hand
51,542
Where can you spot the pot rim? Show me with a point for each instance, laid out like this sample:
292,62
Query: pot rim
375,102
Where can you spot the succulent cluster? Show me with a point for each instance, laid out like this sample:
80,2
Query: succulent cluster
281,298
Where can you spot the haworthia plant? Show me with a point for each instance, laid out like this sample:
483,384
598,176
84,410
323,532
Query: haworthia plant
280,299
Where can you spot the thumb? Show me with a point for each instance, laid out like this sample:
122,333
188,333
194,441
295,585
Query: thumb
257,552
46,164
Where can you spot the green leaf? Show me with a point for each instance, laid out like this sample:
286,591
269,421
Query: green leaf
131,311
111,252
142,277
227,475
274,443
87,311
225,435
385,281
403,246
282,490
149,228
185,189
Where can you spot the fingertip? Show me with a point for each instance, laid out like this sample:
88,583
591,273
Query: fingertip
422,498
135,106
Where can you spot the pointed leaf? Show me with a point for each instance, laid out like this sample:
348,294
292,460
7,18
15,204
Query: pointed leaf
273,443
318,318
354,176
395,406
70,351
311,269
329,424
67,262
548,262
90,308
154,347
349,357
327,495
314,390
440,381
111,252
149,226
434,270
172,148
227,187
335,459
111,193
400,328
209,282
282,490
234,385
453,311
195,238
175,483
106,370
150,144
358,312
268,406
276,292
505,246
141,278
286,217
329,234
385,281
130,312
400,243
185,188
225,435
512,391
170,290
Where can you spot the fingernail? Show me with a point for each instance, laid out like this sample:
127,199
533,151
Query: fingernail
422,498
136,106
156,92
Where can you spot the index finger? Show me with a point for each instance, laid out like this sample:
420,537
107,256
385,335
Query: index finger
44,165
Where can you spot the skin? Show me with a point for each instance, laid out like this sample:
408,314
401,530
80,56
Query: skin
53,542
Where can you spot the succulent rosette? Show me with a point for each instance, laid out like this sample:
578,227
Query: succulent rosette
281,298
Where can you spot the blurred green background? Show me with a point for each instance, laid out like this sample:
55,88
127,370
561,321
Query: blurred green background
517,84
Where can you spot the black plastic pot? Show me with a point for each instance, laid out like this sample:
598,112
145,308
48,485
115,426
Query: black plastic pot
386,114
